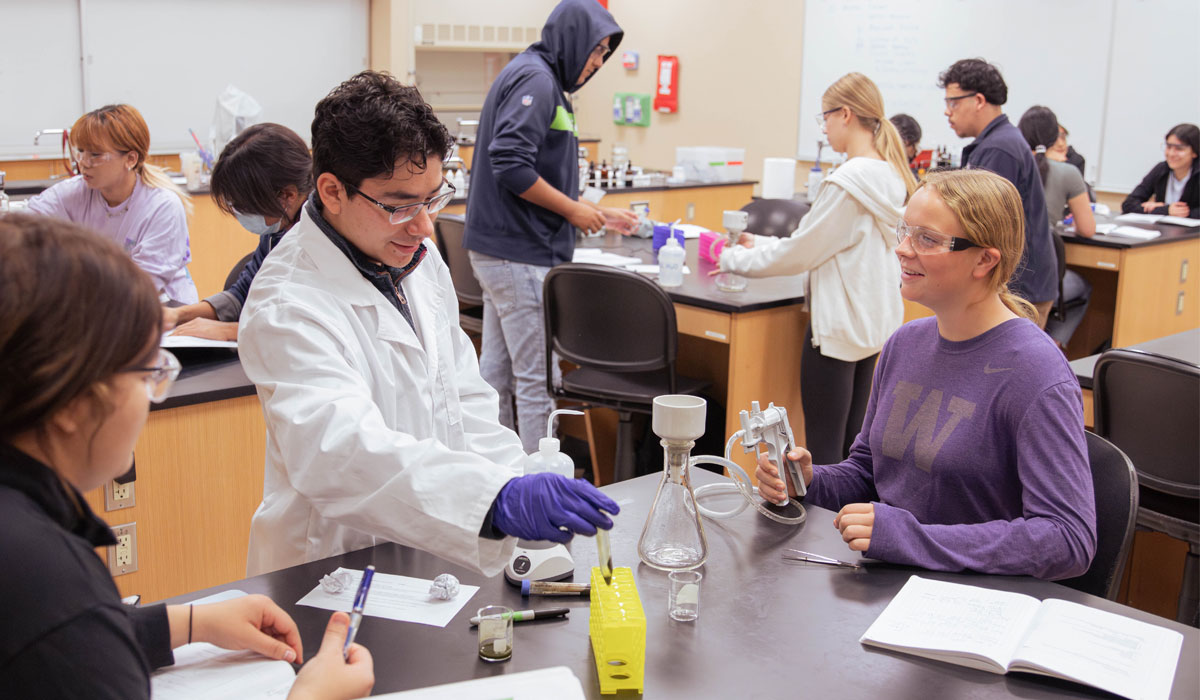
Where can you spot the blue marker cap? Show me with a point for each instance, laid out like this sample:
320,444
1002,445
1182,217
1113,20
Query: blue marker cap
525,587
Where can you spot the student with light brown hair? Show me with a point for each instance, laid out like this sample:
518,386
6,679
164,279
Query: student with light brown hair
126,199
79,366
972,453
845,242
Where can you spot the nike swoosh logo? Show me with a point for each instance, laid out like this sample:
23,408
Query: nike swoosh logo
993,370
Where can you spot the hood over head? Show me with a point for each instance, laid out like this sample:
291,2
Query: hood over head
571,31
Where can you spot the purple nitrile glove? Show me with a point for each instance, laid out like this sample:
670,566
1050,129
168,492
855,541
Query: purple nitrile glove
535,506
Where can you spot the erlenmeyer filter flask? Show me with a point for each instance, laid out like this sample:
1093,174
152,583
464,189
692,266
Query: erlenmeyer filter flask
673,536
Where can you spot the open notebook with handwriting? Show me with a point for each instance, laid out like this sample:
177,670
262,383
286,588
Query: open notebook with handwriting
999,631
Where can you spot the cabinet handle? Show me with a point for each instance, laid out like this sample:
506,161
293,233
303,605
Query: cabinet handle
1179,305
1183,270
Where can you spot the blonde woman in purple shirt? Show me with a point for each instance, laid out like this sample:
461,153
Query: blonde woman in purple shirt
972,453
125,199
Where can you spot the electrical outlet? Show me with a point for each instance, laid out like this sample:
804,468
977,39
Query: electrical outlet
118,496
122,557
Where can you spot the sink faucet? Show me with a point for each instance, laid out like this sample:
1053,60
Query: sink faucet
49,132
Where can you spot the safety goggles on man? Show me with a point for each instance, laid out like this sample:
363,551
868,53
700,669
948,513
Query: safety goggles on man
928,242
161,376
406,212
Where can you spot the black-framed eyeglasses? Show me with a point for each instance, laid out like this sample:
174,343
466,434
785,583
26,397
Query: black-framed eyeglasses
601,52
161,376
951,101
406,212
821,117
928,242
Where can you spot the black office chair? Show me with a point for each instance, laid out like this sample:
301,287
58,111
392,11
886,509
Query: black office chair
1115,485
1149,406
1074,294
236,272
619,327
448,231
775,217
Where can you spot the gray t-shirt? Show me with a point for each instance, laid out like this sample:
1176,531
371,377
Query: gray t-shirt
1063,182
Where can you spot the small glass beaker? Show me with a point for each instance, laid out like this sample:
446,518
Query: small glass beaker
683,604
495,633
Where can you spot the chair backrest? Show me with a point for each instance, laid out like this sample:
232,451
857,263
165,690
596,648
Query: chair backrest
1115,484
775,217
1060,252
1149,406
609,319
236,272
448,229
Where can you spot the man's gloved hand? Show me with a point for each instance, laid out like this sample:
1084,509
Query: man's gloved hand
535,506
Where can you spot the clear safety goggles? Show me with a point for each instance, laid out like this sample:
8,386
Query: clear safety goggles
928,242
90,159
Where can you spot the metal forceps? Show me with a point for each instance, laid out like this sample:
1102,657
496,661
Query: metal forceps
798,555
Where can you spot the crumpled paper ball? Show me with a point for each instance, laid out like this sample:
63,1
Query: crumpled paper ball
337,582
444,587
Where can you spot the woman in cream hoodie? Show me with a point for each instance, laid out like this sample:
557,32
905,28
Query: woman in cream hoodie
846,242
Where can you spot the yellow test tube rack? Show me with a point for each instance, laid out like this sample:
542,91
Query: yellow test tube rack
618,630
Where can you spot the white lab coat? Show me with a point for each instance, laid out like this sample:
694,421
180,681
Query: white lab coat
374,432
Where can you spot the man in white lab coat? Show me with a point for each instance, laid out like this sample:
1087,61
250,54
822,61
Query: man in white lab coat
379,426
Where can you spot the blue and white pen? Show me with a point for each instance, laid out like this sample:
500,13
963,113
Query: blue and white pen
356,613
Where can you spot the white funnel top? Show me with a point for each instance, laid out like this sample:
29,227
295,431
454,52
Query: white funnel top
679,417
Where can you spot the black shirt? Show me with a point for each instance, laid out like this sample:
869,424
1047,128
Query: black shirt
387,279
65,632
1155,185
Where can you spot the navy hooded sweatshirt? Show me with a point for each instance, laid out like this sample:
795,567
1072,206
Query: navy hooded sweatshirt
526,130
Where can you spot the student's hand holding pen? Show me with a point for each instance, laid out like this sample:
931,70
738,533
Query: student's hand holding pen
770,485
329,676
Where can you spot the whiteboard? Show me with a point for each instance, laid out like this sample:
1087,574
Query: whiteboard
1054,53
40,84
1154,84
171,58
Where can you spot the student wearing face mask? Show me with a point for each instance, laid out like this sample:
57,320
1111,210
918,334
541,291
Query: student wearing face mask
125,199
262,178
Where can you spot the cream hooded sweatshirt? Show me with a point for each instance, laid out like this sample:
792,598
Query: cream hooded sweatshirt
847,243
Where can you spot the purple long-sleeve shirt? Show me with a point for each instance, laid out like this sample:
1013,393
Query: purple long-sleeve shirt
973,454
151,225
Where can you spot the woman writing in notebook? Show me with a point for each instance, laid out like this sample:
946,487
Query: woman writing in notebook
79,366
972,453
846,242
125,199
262,179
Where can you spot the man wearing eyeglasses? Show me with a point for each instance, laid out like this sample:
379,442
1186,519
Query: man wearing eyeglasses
975,92
525,204
379,426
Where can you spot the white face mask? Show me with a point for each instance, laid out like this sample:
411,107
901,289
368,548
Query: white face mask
256,223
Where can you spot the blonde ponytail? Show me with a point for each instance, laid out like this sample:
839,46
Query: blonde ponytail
154,176
1017,305
859,94
891,147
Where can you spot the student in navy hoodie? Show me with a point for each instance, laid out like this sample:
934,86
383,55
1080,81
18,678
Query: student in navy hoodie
525,204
